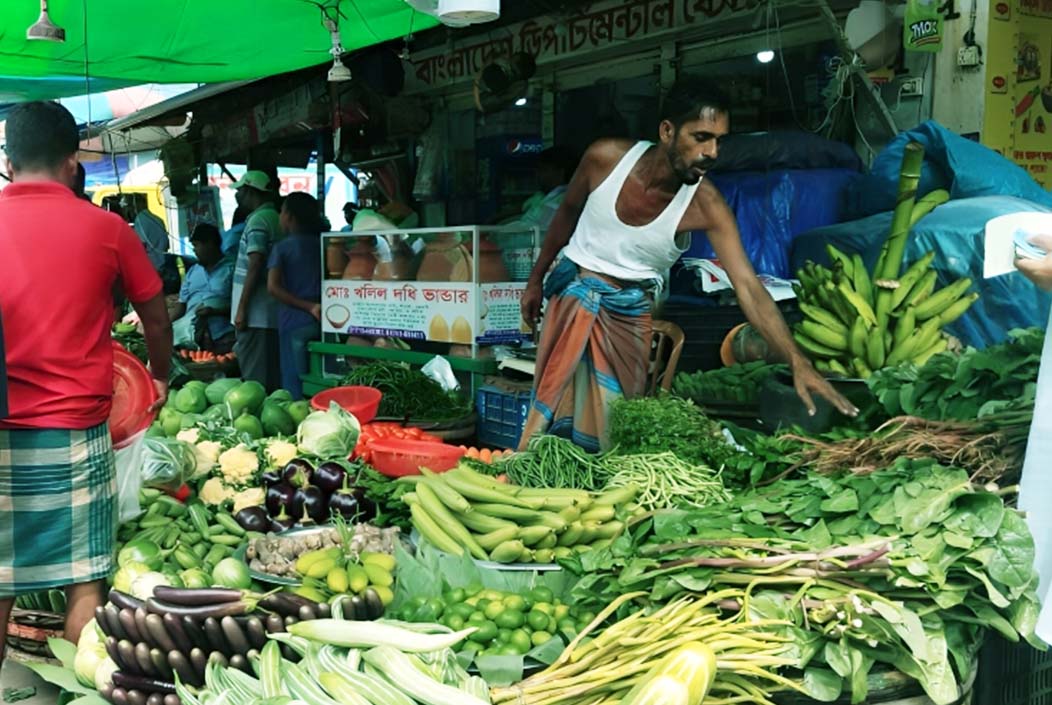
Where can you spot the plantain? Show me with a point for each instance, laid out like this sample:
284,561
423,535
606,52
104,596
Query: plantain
941,300
907,281
857,337
836,255
860,305
823,318
957,309
905,326
860,278
922,289
824,336
815,348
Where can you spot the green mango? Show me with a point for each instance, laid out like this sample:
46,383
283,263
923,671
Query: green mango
299,410
247,423
276,421
218,389
247,396
171,421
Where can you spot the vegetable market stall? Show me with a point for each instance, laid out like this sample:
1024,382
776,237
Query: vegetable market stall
271,560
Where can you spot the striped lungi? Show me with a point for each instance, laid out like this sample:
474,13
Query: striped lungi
58,508
594,349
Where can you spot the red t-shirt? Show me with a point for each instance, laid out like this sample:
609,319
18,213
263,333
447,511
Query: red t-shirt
59,259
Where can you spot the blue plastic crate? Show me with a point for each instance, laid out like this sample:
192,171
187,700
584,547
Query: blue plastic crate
502,415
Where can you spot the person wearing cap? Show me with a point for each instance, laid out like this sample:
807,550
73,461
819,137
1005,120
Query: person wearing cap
254,310
202,317
58,489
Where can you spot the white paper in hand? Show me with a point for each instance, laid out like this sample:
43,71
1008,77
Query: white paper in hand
1007,238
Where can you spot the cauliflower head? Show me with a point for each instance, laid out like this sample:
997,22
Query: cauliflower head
238,465
252,497
215,492
279,453
188,435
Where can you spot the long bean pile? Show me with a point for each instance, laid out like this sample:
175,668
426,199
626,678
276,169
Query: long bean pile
408,393
603,670
550,461
666,480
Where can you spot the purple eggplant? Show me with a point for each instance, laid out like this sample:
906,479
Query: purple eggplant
309,504
329,477
253,519
270,478
282,521
279,497
351,503
298,473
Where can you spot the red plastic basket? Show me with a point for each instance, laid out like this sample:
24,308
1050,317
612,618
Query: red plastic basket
396,457
360,401
133,394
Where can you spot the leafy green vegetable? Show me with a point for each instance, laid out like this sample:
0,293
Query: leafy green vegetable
385,493
737,383
408,393
668,424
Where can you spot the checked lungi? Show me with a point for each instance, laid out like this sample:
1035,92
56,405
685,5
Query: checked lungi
594,349
58,508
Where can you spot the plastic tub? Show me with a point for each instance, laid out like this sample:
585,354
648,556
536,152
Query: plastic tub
133,394
396,457
360,401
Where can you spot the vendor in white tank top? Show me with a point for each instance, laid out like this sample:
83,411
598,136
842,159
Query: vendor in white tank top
626,215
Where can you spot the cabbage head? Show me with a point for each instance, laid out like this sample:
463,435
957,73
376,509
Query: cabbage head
329,435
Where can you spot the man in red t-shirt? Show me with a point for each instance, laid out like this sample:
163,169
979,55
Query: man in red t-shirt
60,258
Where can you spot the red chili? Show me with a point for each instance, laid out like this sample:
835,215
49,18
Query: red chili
1026,102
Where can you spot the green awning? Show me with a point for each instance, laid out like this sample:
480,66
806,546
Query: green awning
182,41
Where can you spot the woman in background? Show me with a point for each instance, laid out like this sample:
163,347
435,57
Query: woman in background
294,279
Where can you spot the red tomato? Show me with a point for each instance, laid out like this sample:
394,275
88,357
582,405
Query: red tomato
182,494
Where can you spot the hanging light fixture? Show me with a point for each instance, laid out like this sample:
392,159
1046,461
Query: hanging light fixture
468,11
44,29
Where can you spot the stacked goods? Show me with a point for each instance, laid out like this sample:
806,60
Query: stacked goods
177,544
301,494
676,655
737,383
463,510
177,634
229,403
366,579
350,663
855,321
507,623
379,430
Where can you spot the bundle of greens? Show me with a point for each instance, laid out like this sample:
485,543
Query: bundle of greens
965,386
550,461
667,423
737,383
408,393
905,568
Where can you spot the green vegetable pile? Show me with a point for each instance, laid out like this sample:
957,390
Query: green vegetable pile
408,393
965,386
550,461
737,383
667,424
904,568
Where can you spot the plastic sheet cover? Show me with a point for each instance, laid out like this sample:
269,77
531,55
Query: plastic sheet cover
955,232
964,168
774,207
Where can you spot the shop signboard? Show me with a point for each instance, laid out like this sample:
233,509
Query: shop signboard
460,313
551,38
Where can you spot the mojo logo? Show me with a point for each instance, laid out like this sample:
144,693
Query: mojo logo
924,32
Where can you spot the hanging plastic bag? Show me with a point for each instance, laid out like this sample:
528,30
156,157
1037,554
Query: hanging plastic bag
441,371
128,459
922,28
167,463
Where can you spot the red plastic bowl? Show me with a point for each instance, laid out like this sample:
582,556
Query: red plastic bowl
396,457
133,394
360,401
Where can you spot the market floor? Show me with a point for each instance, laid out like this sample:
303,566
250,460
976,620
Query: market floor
15,676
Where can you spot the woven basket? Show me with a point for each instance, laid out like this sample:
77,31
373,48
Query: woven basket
29,630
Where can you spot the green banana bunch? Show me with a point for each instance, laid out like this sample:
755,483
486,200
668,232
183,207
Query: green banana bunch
854,323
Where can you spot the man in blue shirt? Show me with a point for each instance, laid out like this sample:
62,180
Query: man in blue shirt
203,318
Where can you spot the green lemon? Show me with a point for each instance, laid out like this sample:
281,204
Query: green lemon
510,619
503,635
508,650
515,602
567,626
476,618
540,637
462,610
542,594
482,603
455,595
487,632
455,622
493,609
473,589
520,639
493,595
544,607
561,611
537,620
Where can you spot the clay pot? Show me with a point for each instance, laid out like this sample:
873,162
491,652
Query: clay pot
491,262
445,260
398,268
335,257
361,262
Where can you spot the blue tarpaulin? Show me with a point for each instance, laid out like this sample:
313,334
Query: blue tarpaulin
773,207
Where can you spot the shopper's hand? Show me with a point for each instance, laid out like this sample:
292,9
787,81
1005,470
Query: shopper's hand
315,310
161,387
531,304
1038,271
240,320
807,382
